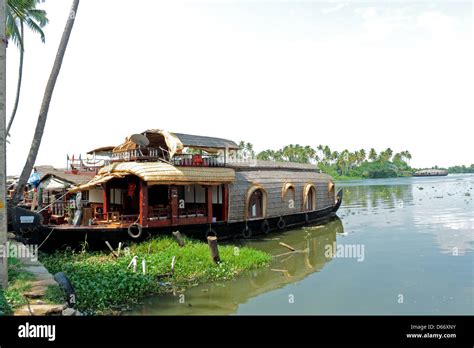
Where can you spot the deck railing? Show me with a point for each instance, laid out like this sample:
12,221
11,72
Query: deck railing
78,166
161,155
193,160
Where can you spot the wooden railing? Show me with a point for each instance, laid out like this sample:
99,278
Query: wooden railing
77,166
141,154
162,155
194,160
197,211
162,213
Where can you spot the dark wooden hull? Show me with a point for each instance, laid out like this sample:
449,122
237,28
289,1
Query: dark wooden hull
52,237
421,175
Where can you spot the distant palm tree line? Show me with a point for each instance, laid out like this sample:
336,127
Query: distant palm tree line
359,163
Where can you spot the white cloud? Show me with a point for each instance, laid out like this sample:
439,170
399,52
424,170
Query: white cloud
438,24
377,27
335,8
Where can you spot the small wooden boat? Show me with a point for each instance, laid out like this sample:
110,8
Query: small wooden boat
158,182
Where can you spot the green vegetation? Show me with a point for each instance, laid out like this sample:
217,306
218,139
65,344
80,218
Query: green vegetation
104,284
342,165
18,284
5,308
461,169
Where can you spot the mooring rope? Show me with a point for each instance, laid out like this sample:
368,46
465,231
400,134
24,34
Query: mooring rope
57,199
46,238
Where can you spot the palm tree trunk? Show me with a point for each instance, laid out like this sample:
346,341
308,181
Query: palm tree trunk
18,86
43,114
3,162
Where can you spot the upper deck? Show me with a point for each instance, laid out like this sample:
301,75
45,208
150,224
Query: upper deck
156,145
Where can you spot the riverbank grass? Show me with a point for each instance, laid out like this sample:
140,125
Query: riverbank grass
105,284
19,282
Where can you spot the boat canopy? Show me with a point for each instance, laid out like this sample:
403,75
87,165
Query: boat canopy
159,173
176,142
104,150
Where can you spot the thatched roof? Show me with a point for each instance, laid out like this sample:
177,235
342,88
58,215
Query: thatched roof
199,141
270,165
61,174
100,150
173,142
155,173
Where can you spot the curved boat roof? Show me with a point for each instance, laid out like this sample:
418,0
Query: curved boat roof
155,173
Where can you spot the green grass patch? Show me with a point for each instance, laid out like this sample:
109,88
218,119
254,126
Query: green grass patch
104,283
5,308
18,283
54,294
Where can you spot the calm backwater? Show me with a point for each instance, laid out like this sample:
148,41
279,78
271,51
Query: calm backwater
405,247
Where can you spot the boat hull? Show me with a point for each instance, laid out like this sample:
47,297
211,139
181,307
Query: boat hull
53,237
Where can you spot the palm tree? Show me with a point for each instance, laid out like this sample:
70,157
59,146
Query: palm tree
343,161
311,154
327,153
406,155
334,156
386,155
362,155
397,158
3,211
246,149
353,159
48,94
19,13
372,155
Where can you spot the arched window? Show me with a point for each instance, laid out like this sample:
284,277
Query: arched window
331,189
256,203
309,197
288,194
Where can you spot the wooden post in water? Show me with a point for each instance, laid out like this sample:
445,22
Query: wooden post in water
179,238
3,161
212,242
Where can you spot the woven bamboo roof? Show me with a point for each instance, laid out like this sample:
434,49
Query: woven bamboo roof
103,149
155,173
199,141
270,165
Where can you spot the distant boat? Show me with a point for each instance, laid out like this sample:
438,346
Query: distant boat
431,172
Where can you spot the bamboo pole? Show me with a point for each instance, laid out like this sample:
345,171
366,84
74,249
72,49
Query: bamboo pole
179,238
212,242
287,246
111,249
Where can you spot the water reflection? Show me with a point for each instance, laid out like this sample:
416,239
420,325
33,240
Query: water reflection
440,206
225,297
373,196
417,234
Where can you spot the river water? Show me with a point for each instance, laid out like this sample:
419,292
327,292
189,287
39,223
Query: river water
399,246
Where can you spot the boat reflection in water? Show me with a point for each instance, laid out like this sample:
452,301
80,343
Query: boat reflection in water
287,267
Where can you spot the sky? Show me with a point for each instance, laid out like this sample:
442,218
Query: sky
352,75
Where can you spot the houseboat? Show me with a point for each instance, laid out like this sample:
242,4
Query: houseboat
158,182
431,172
